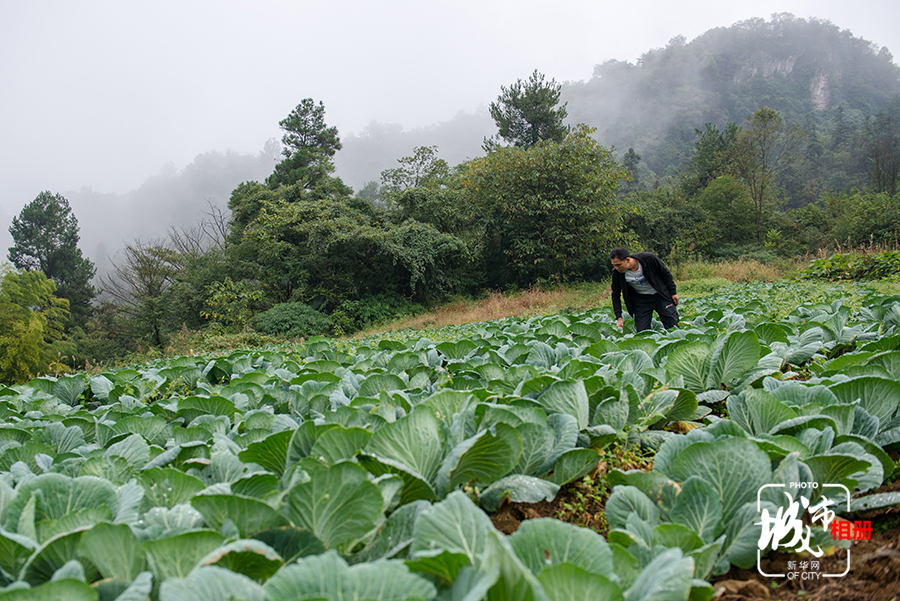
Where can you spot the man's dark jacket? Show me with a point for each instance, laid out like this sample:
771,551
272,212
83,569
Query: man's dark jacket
656,274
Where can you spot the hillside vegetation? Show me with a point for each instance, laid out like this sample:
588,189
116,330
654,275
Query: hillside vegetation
806,69
299,253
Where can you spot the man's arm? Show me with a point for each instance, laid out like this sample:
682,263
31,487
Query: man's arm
617,301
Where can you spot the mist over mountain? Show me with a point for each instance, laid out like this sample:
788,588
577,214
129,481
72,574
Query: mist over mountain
366,154
172,198
803,68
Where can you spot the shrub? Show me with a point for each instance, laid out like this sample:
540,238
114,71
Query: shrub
732,252
850,266
31,319
353,315
293,320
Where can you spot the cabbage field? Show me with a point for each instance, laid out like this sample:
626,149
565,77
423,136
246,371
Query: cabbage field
367,469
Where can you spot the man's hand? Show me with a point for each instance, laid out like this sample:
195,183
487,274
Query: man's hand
620,323
675,299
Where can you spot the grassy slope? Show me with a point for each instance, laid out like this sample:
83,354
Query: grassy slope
694,280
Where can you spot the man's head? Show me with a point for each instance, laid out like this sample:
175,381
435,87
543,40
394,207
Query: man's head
619,258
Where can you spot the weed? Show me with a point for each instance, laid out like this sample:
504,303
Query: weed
624,457
497,305
852,266
893,476
57,367
179,387
701,287
719,410
92,367
583,503
888,522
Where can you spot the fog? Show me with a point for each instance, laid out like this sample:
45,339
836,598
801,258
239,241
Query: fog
178,198
140,113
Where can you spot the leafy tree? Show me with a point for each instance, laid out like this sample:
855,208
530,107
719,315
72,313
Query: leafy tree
726,202
31,319
526,112
324,251
444,208
862,217
229,302
840,129
421,170
45,238
715,154
424,189
202,259
767,146
371,191
308,147
246,201
139,286
814,147
100,339
545,208
630,162
668,224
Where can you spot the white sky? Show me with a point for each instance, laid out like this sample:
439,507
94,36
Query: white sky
103,93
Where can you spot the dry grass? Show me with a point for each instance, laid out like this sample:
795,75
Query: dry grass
872,248
741,270
497,305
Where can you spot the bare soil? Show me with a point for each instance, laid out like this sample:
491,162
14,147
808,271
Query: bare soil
510,515
580,502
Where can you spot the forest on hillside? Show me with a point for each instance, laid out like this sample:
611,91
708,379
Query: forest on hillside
767,139
812,72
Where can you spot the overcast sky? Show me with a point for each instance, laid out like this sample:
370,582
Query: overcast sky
104,93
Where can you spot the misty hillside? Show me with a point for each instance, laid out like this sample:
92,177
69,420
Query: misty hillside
172,198
366,154
802,68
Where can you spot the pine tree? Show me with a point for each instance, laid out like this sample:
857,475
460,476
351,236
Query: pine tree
45,238
526,112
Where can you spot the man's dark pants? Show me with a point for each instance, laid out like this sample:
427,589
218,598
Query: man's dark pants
646,304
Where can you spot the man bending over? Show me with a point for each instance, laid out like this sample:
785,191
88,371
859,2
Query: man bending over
647,285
